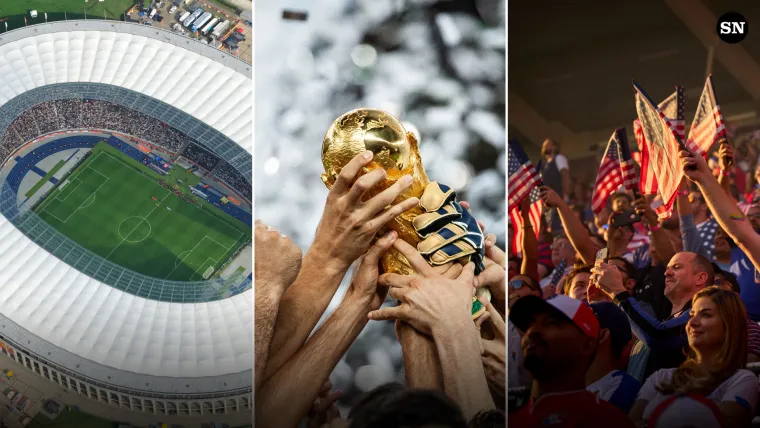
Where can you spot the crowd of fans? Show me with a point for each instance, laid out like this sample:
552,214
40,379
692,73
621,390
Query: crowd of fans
51,116
200,156
621,318
235,179
454,366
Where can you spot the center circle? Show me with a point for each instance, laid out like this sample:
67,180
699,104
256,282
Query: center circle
134,229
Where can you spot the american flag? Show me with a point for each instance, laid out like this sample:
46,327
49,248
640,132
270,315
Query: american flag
707,231
662,143
523,182
669,107
708,124
626,162
558,273
610,176
522,174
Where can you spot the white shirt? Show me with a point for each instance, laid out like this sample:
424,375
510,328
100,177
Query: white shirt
561,162
742,386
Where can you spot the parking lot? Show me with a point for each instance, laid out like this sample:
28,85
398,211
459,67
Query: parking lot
170,21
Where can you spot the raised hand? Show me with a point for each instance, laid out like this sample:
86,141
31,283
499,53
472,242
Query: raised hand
608,278
278,259
644,209
364,283
324,410
725,155
694,166
349,223
550,198
430,302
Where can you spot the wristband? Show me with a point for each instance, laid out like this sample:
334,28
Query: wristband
725,173
683,193
654,228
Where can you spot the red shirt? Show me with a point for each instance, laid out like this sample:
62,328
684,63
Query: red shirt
574,409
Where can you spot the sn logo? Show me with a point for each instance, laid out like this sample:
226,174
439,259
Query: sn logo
732,27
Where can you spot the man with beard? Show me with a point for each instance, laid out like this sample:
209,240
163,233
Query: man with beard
559,343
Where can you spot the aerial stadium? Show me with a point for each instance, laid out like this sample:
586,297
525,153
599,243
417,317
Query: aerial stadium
125,257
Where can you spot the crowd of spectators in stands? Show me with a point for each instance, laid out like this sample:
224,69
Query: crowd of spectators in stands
200,156
51,116
235,179
659,330
64,114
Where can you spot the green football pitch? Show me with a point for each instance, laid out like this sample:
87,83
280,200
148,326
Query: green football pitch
58,10
111,206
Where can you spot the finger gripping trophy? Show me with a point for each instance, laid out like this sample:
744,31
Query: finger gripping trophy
440,228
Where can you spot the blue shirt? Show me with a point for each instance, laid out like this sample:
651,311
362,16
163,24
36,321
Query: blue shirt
618,388
742,267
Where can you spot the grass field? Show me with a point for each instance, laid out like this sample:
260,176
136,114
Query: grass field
57,10
107,206
70,419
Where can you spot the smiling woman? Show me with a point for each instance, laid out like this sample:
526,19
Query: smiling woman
717,333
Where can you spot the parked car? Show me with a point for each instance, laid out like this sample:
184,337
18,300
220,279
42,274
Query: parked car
172,9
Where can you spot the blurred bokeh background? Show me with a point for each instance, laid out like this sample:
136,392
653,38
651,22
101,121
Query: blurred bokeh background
437,65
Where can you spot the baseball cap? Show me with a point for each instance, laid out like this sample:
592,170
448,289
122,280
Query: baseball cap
692,411
577,312
615,320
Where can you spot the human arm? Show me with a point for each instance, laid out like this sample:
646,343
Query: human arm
345,232
441,307
324,410
529,243
651,331
660,239
277,263
689,234
494,355
576,232
725,210
285,398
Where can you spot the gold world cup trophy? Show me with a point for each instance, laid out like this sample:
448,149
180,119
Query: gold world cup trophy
397,152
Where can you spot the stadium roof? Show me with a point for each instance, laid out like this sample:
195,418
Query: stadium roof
82,322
